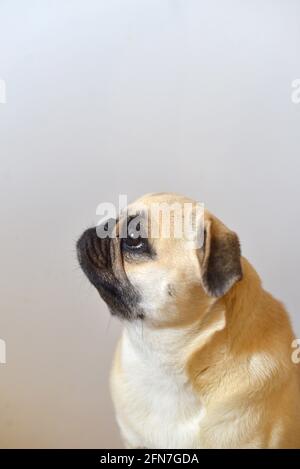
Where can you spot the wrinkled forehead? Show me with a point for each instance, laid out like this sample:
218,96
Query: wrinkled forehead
163,216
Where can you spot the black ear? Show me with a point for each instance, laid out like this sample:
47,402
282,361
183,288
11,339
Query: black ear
220,258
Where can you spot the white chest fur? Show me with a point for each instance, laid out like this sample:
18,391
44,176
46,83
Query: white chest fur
156,405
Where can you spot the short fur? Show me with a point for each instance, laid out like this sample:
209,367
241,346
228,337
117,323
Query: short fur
205,356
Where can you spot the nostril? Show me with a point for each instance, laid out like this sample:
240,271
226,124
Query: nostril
83,241
92,251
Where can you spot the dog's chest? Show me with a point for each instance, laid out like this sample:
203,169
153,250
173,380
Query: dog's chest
158,408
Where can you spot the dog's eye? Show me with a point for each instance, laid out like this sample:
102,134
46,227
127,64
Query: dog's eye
135,242
132,243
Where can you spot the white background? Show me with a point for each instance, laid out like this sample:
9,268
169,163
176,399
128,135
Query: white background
130,96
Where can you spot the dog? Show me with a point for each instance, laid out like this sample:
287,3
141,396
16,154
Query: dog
204,360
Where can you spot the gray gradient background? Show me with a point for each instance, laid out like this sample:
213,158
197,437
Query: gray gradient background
131,96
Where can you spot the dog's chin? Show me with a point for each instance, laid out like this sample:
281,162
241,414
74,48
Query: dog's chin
120,303
125,314
120,300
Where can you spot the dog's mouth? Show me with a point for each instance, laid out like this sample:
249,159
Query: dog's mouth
101,261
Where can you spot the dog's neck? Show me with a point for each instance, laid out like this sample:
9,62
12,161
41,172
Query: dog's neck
170,347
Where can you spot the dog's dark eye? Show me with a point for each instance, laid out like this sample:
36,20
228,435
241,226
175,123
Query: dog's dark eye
135,242
132,243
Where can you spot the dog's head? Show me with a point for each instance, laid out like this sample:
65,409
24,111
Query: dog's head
144,269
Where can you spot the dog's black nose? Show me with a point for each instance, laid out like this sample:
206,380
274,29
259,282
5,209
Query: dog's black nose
92,251
84,240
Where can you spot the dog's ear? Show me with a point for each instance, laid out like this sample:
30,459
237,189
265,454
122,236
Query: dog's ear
220,258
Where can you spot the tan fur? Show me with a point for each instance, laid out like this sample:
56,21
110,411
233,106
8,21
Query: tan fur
200,371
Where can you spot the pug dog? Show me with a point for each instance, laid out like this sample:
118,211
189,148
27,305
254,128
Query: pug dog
205,357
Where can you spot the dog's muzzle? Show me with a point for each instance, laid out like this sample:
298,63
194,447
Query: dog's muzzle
101,261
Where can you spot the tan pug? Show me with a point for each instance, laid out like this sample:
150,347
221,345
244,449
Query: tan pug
205,356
